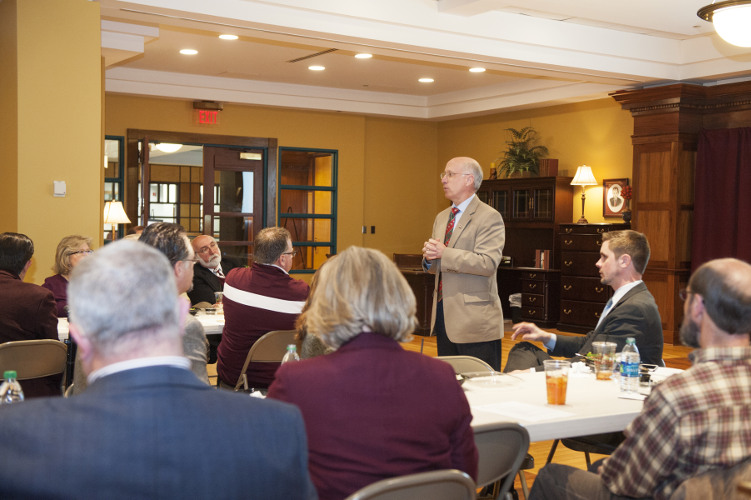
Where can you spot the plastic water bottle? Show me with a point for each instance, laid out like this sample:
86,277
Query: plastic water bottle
291,354
630,367
10,391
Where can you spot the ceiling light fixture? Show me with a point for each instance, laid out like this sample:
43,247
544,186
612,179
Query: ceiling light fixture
363,55
731,19
189,52
227,36
477,69
426,80
168,147
316,67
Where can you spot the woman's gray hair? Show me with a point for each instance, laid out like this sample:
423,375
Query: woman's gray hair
122,294
360,290
65,249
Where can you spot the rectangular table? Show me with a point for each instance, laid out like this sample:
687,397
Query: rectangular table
592,406
213,324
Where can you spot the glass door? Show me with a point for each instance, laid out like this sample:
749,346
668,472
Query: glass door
233,201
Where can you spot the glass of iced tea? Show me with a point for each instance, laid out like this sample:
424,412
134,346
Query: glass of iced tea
556,379
604,359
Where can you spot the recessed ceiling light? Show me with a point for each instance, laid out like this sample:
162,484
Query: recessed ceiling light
316,67
189,52
477,69
363,55
228,37
426,80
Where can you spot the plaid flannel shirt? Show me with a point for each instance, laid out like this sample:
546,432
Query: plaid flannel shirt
692,422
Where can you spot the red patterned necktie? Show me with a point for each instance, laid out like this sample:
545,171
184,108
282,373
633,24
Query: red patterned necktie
446,239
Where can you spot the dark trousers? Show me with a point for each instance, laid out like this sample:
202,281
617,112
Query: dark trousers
524,356
489,351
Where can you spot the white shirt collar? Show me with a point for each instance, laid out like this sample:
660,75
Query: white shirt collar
130,364
463,205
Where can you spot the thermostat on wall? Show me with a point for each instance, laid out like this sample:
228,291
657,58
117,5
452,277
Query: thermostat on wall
59,188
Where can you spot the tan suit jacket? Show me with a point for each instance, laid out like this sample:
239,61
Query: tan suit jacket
471,307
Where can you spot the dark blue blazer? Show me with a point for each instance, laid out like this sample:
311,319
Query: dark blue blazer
153,432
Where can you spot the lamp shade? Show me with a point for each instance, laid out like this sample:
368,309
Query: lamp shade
114,213
731,19
584,176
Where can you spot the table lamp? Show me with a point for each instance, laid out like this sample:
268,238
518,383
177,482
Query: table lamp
584,177
115,214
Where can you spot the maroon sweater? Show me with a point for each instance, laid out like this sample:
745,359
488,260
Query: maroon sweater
257,300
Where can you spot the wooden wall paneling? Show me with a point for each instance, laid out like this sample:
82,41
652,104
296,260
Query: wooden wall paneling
667,121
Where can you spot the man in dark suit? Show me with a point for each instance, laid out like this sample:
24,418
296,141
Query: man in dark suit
631,312
209,274
146,427
464,252
27,311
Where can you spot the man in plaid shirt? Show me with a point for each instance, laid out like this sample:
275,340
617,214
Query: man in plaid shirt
693,422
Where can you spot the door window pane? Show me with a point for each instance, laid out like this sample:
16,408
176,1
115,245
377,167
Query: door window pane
233,191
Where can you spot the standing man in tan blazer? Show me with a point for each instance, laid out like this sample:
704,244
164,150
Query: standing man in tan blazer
464,252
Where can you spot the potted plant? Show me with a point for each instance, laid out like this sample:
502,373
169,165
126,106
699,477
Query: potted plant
523,155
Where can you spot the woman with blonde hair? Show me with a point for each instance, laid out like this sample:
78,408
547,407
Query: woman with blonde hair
372,410
70,251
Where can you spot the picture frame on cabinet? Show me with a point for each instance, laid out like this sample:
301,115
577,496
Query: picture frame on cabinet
613,202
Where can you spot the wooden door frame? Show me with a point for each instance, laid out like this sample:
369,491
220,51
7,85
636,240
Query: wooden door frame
270,144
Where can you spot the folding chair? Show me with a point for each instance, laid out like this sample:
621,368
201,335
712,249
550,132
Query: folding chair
450,484
33,358
502,449
270,348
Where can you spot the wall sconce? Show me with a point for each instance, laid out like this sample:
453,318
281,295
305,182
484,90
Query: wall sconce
584,177
731,19
114,214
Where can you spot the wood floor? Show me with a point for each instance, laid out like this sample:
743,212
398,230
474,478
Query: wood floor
674,356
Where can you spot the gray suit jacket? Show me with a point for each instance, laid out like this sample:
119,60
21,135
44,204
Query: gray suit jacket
471,307
635,315
153,432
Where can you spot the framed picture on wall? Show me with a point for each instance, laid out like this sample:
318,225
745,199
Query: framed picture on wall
613,202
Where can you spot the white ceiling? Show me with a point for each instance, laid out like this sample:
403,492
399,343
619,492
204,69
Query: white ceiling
537,52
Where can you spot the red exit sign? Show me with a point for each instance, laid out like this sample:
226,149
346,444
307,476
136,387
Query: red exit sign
207,116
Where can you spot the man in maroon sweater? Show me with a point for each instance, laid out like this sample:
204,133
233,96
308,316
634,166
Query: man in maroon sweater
257,300
27,311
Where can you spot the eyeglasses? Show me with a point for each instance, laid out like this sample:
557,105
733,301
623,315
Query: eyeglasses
192,261
292,253
684,292
84,252
207,248
451,174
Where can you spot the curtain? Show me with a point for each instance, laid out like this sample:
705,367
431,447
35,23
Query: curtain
722,196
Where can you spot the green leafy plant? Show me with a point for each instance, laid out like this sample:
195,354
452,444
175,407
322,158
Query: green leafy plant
522,155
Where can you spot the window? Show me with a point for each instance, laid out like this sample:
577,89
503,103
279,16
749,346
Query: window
307,204
113,177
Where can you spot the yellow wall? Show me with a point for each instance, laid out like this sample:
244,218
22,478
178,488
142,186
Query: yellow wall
8,125
398,156
58,123
596,133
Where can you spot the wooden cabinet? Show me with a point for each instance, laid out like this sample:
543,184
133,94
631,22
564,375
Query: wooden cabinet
532,209
582,295
540,292
422,285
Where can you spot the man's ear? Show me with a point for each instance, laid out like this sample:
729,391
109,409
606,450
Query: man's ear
85,349
624,260
696,308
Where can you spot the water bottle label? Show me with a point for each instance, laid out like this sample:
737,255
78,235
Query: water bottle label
629,369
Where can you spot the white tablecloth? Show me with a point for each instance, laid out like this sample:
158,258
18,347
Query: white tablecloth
592,406
213,324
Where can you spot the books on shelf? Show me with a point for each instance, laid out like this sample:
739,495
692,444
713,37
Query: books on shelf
542,259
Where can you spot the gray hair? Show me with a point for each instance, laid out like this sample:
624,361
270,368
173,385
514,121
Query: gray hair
470,166
360,289
123,297
270,243
725,286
